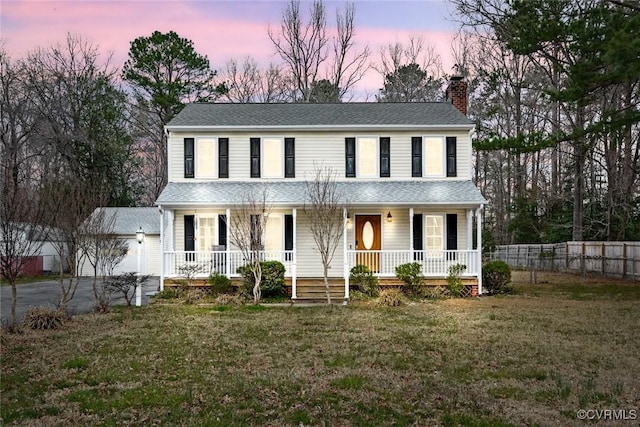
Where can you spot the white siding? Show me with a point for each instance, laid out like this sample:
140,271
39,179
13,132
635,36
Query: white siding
309,262
150,261
317,149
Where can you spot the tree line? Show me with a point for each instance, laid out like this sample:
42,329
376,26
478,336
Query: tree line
554,92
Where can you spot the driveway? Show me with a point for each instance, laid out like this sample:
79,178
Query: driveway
47,293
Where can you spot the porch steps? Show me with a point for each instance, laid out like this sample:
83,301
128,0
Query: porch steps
313,290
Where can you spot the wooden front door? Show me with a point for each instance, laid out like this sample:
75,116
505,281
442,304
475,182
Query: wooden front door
369,238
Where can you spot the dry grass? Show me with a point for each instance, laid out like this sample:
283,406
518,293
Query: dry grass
530,359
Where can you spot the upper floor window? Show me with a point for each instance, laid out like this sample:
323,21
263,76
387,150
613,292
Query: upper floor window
206,158
433,156
272,157
368,157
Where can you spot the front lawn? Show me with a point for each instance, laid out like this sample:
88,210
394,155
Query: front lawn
535,358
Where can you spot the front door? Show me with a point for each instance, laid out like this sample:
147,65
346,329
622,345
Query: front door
369,238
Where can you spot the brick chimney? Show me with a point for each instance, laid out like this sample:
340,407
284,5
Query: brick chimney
457,93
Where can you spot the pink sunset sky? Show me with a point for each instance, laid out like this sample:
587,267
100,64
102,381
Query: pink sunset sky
221,30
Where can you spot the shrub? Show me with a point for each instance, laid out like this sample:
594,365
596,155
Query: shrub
496,276
411,274
455,287
194,295
361,277
220,284
43,318
390,298
126,284
167,293
226,299
272,279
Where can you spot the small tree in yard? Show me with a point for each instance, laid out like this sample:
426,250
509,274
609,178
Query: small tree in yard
126,284
104,252
248,224
325,212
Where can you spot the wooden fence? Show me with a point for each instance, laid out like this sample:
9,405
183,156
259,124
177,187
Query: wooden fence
614,259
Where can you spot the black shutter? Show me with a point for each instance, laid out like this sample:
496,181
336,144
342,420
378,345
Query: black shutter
417,236
451,155
222,230
289,157
350,157
452,235
188,158
385,157
416,156
189,236
288,236
255,157
223,158
452,232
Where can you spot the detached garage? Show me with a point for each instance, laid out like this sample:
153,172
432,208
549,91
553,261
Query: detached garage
127,221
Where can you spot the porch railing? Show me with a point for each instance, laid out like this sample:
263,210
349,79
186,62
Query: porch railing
382,263
176,263
433,263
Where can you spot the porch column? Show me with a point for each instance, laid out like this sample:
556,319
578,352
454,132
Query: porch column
227,250
469,229
169,258
411,248
345,255
161,248
479,239
294,265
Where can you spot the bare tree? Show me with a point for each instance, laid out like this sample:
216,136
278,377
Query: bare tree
248,225
348,65
325,212
104,251
411,72
71,203
304,47
22,217
246,82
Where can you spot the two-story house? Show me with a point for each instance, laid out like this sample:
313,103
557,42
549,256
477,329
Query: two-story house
405,169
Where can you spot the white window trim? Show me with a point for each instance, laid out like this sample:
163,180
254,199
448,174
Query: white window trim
263,157
376,158
216,233
279,217
425,156
196,158
429,252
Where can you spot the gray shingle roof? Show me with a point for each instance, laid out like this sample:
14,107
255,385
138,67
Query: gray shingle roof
293,193
356,114
129,220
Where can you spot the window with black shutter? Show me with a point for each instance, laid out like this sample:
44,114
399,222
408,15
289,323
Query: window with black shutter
255,157
188,158
416,156
223,158
350,157
417,237
385,157
451,156
289,158
288,236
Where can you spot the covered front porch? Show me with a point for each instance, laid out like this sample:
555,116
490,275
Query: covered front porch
389,225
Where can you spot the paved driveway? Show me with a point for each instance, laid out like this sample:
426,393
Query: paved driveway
47,293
